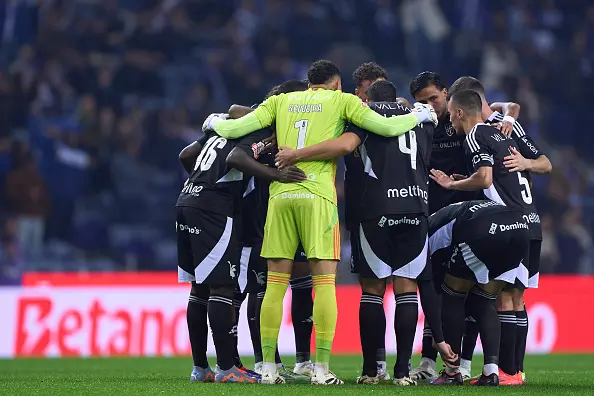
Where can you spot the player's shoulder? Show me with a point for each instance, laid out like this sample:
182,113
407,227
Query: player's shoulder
480,132
389,108
518,130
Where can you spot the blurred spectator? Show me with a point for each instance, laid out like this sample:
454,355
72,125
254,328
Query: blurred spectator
11,263
28,199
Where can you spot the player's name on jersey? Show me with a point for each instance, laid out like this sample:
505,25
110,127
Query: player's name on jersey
305,108
389,106
500,138
410,191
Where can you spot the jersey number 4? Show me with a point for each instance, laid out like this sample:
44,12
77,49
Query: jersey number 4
412,150
208,153
302,126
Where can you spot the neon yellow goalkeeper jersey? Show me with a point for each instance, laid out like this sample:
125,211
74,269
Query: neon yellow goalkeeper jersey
305,118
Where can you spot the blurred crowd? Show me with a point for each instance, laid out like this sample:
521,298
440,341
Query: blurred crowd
97,98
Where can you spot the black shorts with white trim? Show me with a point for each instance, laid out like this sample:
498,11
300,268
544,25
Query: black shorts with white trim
393,245
529,271
207,247
254,268
497,257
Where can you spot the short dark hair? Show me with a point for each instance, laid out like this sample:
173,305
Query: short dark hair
381,91
425,79
273,91
321,71
466,82
369,71
292,86
468,100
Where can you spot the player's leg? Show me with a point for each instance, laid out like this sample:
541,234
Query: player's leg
520,307
484,312
453,297
252,280
426,371
432,332
372,323
407,256
238,299
301,312
325,313
498,350
405,325
471,333
372,318
196,314
317,222
279,247
509,324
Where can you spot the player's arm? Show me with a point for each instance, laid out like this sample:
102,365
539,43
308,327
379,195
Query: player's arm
190,153
506,108
243,158
361,115
528,157
510,111
243,162
516,162
261,117
329,149
482,163
479,180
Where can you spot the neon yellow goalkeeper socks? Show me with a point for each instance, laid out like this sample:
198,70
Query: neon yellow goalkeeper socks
325,313
271,314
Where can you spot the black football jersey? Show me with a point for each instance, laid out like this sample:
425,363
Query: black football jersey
354,179
396,169
477,223
254,206
486,146
447,154
213,186
529,149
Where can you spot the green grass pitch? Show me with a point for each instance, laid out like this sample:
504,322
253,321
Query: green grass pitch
547,375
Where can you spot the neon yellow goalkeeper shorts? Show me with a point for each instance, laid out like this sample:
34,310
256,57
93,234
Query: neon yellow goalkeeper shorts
302,216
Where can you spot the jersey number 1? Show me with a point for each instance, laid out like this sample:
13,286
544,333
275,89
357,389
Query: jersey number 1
412,151
302,126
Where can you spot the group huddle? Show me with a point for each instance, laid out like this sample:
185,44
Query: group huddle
437,200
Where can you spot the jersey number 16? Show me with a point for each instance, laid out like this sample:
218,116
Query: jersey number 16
208,153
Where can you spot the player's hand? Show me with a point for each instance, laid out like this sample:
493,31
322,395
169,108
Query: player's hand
291,174
447,355
212,119
457,177
506,128
425,113
516,162
441,178
286,156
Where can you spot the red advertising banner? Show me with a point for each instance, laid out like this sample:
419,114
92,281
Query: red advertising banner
138,314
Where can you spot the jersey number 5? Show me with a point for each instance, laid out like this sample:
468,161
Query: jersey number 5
526,194
302,126
208,153
412,151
